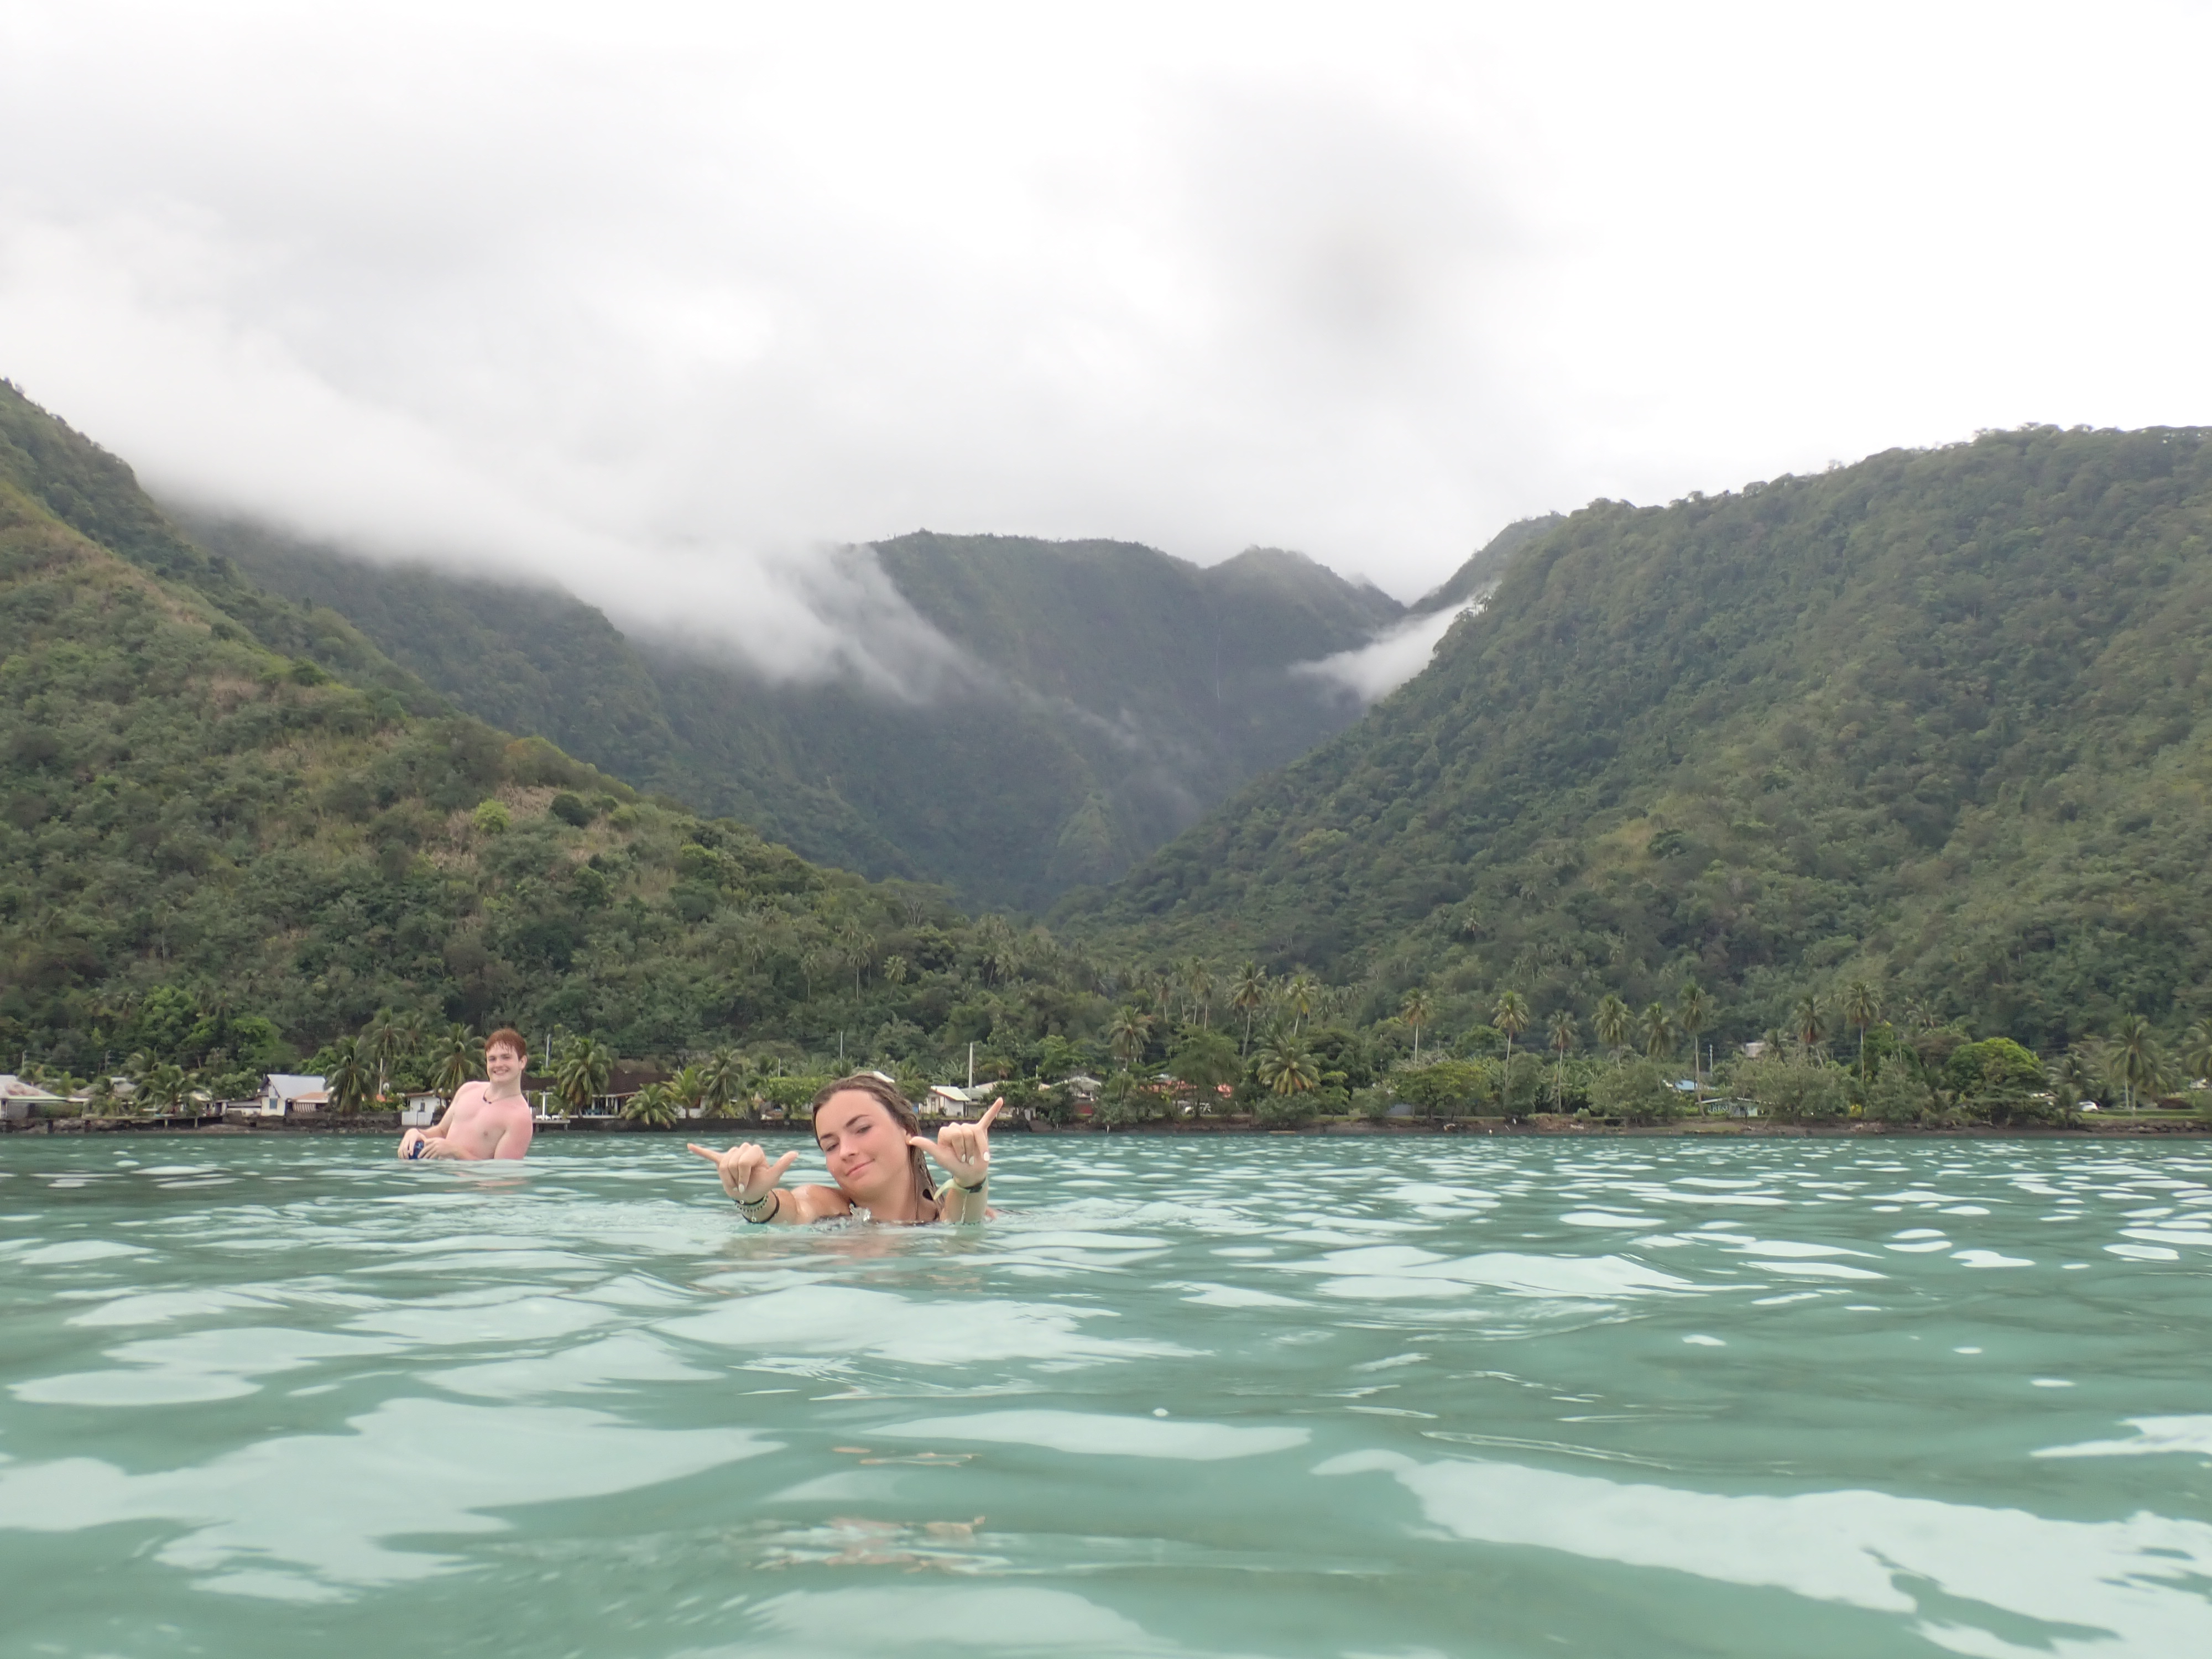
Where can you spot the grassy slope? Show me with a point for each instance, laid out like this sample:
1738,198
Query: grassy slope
1937,719
1132,691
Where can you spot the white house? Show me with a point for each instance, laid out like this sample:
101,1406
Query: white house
943,1100
420,1111
287,1094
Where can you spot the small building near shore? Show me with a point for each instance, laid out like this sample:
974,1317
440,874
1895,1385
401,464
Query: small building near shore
943,1100
20,1100
290,1094
420,1111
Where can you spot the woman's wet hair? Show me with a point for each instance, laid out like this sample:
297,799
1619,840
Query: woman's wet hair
886,1094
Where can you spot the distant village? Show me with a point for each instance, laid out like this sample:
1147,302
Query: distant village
304,1099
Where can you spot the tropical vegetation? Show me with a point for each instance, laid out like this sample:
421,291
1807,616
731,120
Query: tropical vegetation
1902,762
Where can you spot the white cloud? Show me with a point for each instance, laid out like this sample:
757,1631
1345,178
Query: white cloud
1389,660
659,300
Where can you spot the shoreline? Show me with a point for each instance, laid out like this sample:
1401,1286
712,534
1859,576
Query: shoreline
376,1124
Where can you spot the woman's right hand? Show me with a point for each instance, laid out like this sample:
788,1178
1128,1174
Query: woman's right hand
747,1175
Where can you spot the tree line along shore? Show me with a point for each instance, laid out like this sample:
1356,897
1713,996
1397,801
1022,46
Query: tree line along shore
1870,797
1192,1050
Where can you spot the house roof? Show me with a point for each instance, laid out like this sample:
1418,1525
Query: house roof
13,1088
290,1083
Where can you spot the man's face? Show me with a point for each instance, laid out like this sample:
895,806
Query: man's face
501,1063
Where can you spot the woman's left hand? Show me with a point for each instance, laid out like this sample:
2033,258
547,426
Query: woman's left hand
963,1151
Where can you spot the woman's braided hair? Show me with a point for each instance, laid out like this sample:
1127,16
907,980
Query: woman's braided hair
885,1093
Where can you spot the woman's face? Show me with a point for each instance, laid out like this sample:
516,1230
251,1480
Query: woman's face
866,1149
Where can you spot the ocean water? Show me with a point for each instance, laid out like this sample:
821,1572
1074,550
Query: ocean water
1236,1397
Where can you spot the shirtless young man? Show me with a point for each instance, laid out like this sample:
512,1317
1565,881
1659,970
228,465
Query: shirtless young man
486,1120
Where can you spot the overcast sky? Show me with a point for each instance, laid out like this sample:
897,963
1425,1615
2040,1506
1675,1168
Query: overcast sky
660,300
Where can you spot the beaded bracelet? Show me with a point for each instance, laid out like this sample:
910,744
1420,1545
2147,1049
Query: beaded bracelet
773,1198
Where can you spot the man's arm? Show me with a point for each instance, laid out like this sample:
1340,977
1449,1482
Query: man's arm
436,1144
514,1140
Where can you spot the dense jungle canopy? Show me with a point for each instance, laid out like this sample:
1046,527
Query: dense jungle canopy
208,790
1937,720
1909,757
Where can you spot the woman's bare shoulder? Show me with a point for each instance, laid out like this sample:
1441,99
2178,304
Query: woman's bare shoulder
819,1203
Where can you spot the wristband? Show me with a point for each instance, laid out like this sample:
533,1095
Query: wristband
977,1187
772,1198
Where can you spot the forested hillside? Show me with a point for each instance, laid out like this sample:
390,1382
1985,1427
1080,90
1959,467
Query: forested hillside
1482,573
1119,693
192,820
1937,721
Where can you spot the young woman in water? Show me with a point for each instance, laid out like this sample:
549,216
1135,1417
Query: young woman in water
873,1143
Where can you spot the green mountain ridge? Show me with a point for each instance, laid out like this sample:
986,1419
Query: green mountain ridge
1482,572
1118,692
203,828
1935,720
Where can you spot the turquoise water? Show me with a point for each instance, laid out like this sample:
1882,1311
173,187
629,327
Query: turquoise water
1243,1396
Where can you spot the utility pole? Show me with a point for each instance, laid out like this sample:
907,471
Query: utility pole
971,1065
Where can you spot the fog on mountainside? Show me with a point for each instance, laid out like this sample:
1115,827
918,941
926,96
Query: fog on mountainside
1402,650
1081,702
1933,727
216,849
1937,720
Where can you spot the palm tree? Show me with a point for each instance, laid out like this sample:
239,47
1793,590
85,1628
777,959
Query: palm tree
1562,1029
1415,1011
1660,1037
1694,1012
655,1104
813,963
1299,996
350,1077
1198,979
415,1029
382,1043
722,1075
1163,982
2140,1065
2080,1069
2196,1052
460,1057
858,948
1285,1065
996,949
1246,992
587,1065
164,1087
1128,1034
1807,1024
1510,1016
687,1089
1861,1007
1613,1023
